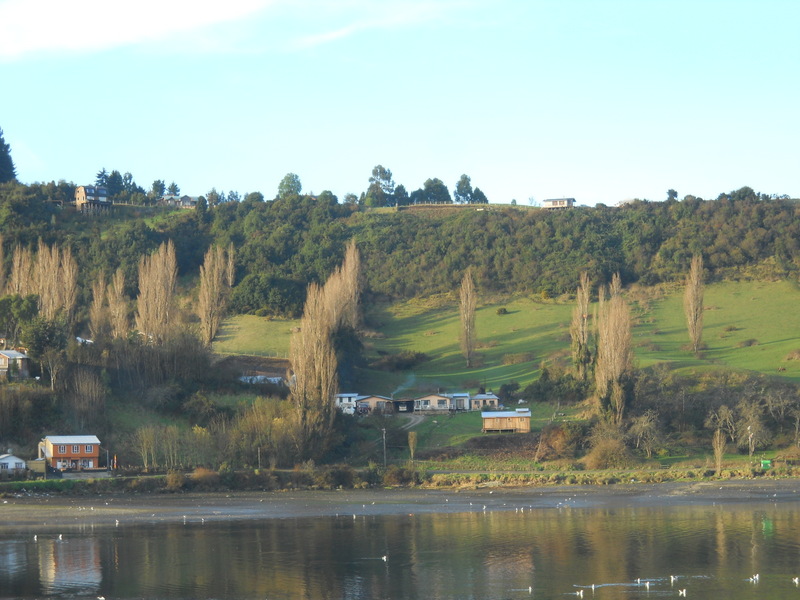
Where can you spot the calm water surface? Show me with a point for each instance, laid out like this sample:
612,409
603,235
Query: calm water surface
512,553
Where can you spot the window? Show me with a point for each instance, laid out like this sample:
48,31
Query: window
62,449
4,466
76,448
19,465
88,448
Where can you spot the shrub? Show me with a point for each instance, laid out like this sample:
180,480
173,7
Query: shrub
335,476
203,477
175,481
518,358
747,343
502,311
608,454
400,476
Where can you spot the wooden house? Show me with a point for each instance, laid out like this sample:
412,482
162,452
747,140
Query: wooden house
432,402
518,421
71,451
91,198
13,364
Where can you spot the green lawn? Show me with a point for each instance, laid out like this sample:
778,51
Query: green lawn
747,325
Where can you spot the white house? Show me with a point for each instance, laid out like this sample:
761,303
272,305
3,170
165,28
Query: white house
481,401
347,402
11,465
558,203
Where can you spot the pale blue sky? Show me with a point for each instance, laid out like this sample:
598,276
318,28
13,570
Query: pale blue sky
598,100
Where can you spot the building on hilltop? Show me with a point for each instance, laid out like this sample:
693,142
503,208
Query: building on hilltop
91,198
558,203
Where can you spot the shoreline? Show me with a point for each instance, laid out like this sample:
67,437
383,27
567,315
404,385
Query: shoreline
30,512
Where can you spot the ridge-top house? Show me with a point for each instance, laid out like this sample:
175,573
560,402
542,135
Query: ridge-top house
71,451
91,198
558,203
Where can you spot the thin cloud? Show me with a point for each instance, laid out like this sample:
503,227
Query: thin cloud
363,15
29,27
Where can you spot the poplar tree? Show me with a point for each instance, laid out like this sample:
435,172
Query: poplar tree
614,367
693,303
158,275
467,305
98,309
579,330
118,305
314,365
214,291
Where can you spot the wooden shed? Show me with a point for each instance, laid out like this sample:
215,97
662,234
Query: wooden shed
518,421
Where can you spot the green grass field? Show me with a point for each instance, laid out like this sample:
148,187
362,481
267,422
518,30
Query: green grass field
747,325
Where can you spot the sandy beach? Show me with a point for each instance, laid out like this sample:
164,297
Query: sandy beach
25,511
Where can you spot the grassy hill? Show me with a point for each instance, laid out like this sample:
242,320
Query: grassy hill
747,326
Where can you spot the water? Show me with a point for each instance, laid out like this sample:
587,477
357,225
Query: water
501,553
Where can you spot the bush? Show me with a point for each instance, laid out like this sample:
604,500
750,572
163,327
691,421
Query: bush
518,358
400,476
175,481
608,454
502,311
205,478
335,476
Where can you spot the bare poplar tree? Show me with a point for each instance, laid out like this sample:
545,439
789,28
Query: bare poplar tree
45,279
68,282
580,331
213,295
314,381
693,303
19,281
467,305
230,272
158,274
118,305
614,367
314,378
98,311
718,444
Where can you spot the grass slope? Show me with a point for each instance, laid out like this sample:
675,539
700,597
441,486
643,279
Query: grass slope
747,325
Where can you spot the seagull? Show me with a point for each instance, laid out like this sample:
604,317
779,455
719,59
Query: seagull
672,579
60,537
579,593
682,593
384,558
647,585
35,537
795,580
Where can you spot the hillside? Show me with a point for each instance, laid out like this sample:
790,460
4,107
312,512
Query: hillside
748,326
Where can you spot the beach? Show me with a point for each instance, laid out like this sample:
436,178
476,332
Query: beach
29,511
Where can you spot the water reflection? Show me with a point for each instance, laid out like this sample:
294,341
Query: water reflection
626,553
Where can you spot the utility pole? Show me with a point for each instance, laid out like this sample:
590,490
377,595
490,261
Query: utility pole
384,447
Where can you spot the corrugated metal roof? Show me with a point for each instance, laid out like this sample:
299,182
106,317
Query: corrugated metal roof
13,354
72,439
505,413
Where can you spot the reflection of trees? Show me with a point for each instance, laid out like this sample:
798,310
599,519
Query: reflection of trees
472,554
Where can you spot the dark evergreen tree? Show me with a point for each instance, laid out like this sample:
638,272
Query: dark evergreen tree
7,170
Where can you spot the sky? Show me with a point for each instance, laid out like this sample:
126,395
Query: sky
599,100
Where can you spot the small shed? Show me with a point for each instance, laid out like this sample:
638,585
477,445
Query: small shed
518,421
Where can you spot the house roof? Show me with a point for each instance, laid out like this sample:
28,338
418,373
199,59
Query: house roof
13,354
488,396
499,414
72,439
9,457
